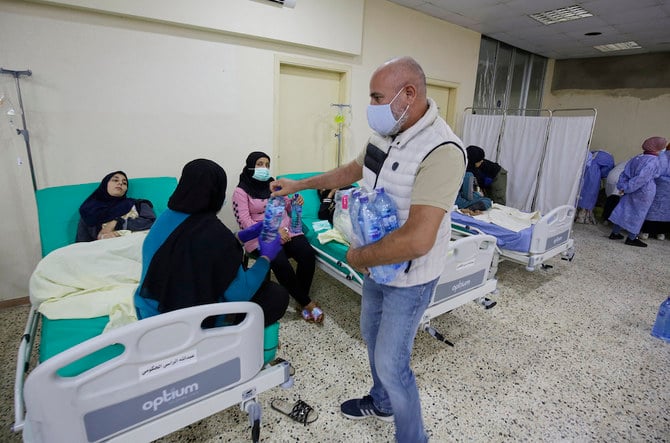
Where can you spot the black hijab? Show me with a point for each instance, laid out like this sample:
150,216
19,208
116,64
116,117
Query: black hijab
475,155
200,258
486,169
255,188
100,207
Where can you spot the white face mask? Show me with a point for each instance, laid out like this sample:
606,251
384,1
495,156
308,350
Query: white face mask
262,174
381,119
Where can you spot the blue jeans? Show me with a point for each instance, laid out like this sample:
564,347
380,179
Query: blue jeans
389,320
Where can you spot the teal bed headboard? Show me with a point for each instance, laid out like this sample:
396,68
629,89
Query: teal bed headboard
58,206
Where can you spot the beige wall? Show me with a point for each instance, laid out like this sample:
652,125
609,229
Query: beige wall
111,92
626,117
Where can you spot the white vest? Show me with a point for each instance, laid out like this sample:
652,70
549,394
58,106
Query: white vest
398,171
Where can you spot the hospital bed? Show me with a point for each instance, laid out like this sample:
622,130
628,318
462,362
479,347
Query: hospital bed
466,277
141,380
548,235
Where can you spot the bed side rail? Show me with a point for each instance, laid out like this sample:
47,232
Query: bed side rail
553,230
469,261
169,362
23,365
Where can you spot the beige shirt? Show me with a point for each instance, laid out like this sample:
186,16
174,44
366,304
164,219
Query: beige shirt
433,183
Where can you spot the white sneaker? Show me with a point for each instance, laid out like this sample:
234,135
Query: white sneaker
643,236
660,236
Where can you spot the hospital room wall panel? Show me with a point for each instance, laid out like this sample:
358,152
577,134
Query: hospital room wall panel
626,117
110,92
315,23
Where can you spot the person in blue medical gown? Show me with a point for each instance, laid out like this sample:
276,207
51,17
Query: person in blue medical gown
639,188
598,165
658,218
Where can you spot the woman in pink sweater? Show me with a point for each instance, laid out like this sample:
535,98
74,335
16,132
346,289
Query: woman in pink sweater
249,201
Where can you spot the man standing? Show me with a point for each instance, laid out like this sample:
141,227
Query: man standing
419,161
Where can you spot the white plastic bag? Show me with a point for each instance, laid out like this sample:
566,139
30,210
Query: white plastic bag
342,217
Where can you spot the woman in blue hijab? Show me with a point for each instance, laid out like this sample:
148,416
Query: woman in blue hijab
108,210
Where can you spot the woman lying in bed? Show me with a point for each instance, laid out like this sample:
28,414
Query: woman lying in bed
108,210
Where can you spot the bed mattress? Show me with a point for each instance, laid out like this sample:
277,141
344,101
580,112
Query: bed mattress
505,238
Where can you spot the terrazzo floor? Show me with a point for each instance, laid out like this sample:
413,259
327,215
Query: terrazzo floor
565,356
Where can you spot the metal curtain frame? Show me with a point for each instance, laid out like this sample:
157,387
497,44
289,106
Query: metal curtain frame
508,111
24,131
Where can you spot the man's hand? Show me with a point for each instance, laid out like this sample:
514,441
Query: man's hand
351,261
283,186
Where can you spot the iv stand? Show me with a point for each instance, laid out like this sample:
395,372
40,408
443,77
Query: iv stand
338,134
24,131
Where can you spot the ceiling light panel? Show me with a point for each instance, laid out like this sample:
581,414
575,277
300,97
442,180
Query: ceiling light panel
560,15
618,46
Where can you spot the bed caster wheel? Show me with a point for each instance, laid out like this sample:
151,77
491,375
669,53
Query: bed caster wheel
436,335
254,410
569,254
488,303
288,384
256,431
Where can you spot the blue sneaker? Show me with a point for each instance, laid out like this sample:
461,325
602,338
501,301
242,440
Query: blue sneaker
359,408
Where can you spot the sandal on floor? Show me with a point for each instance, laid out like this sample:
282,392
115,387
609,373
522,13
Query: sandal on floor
307,315
298,411
313,316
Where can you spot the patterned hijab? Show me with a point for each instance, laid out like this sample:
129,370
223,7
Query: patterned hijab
100,207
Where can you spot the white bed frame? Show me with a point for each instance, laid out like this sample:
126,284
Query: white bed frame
466,277
552,235
171,373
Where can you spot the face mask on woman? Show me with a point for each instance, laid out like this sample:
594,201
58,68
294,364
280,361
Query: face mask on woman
381,119
262,174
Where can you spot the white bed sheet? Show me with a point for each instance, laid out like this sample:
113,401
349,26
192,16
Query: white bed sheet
86,280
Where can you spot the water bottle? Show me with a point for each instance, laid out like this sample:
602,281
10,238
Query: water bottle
371,228
296,215
354,206
661,328
387,210
368,221
274,212
388,213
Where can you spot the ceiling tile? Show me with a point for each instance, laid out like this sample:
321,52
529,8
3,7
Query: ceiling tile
644,21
